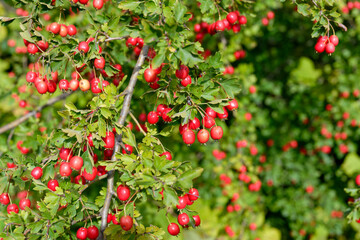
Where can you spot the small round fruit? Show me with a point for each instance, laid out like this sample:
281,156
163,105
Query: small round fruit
126,222
76,163
219,26
54,28
330,48
63,30
4,199
30,76
216,133
99,63
150,75
90,176
92,232
53,184
84,85
188,137
203,136
208,121
233,104
182,72
74,84
182,202
98,4
65,153
186,81
82,233
123,192
153,117
197,220
24,203
83,47
12,208
71,29
32,48
64,84
109,140
210,112
37,173
232,17
193,194
173,229
194,124
128,149
183,219
167,155
320,47
334,40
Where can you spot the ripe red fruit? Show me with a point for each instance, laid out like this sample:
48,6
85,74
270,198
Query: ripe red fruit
128,149
30,76
334,40
252,89
242,20
248,116
197,220
126,222
182,72
173,229
265,21
32,48
51,86
83,47
24,203
71,29
320,47
98,4
41,87
22,103
182,202
330,48
74,84
99,62
63,30
252,226
233,104
186,81
52,184
76,163
357,180
65,153
54,28
167,155
150,75
193,194
208,121
232,17
203,136
270,15
216,133
188,137
142,117
82,233
123,192
109,140
210,112
90,176
153,117
197,27
92,232
12,208
183,219
64,85
194,124
219,26
43,45
37,173
4,199
223,115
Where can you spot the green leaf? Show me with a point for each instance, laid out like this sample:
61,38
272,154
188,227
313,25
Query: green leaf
170,197
129,5
187,58
185,180
179,12
6,20
158,60
303,9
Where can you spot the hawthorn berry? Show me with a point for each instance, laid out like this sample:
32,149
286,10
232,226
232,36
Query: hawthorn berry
126,223
4,199
216,133
109,140
82,232
173,229
90,176
167,155
98,4
52,184
92,232
99,62
153,117
123,192
12,208
203,136
37,172
197,220
83,47
24,203
193,194
183,219
188,137
194,124
76,163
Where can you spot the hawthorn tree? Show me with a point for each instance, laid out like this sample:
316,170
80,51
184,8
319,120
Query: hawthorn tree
103,99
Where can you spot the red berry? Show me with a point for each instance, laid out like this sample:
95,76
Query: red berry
150,75
186,81
123,192
270,15
74,84
12,208
208,121
64,85
197,220
109,140
37,173
173,229
193,194
252,89
334,40
54,28
225,114
203,136
51,86
153,117
24,203
99,62
4,199
128,149
242,20
182,202
82,233
52,184
330,48
320,47
165,115
232,17
98,4
357,180
194,124
65,153
216,133
71,29
210,112
167,155
76,163
32,48
30,77
63,30
265,21
126,222
188,137
219,26
183,219
182,72
233,104
92,232
83,47
90,176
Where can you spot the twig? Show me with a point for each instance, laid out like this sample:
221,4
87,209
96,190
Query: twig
22,119
123,114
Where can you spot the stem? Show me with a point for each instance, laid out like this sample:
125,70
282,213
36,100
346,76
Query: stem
123,114
22,119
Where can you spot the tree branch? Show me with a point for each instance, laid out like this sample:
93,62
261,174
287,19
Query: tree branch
123,114
22,119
